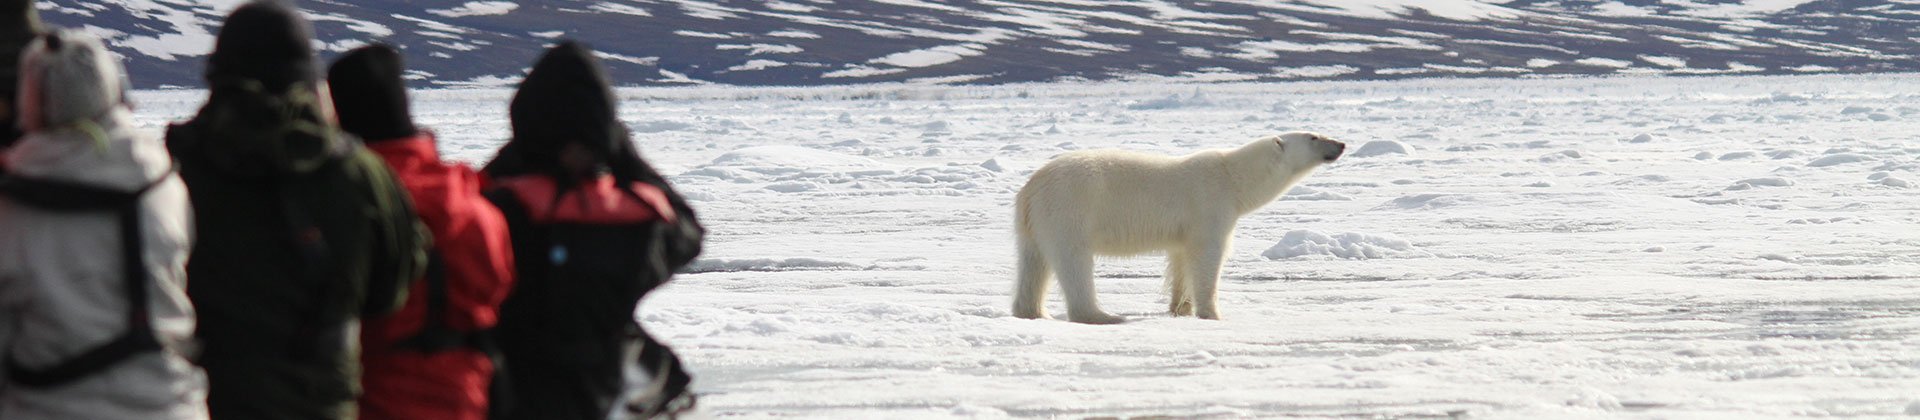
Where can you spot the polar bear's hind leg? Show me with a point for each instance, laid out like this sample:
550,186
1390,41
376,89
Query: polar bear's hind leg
1073,268
1030,290
1179,301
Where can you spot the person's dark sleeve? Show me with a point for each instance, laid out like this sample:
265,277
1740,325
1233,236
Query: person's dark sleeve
682,241
400,240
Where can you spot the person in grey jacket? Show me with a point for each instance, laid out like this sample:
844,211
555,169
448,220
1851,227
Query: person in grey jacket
65,290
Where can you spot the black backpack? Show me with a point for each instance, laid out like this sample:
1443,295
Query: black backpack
436,336
596,273
71,197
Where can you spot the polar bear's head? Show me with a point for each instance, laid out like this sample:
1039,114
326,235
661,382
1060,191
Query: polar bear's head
1307,149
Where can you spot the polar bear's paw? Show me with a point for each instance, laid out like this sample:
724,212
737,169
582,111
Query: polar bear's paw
1181,307
1096,318
1030,313
1209,313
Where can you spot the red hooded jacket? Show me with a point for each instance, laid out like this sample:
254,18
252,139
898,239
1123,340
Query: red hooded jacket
470,238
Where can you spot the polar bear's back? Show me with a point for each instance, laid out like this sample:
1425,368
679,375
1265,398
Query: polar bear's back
1102,167
1118,200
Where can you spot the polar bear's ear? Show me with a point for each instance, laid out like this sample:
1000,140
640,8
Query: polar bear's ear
1280,141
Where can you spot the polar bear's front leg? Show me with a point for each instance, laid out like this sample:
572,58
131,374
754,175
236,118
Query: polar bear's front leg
1203,260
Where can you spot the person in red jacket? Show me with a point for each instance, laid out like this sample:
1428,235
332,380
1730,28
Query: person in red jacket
430,360
594,229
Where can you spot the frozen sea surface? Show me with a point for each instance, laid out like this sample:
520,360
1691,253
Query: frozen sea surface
1638,247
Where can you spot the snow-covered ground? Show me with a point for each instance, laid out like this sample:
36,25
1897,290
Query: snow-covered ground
1731,247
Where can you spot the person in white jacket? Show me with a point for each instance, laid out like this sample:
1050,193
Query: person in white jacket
65,293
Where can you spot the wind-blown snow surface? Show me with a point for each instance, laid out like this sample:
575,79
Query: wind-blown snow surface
1703,247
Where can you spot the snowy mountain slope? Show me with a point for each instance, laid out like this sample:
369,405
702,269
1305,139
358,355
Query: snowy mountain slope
811,42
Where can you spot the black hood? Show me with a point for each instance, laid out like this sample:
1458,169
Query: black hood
265,41
370,94
265,115
19,23
565,99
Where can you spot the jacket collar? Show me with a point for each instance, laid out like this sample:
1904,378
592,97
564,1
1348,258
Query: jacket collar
123,159
418,146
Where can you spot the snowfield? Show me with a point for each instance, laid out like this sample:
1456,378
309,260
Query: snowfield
1725,247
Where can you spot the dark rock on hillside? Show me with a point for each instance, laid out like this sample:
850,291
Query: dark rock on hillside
813,42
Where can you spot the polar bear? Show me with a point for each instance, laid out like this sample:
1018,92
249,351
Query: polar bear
1119,203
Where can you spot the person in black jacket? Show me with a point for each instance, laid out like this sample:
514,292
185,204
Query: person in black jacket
594,229
301,230
19,23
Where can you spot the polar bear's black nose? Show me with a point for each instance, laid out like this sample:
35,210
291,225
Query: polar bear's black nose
1333,152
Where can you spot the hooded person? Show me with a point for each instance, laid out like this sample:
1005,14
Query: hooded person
302,231
19,23
594,229
432,359
94,234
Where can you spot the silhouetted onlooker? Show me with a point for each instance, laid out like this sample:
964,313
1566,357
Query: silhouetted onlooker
431,359
19,23
594,229
302,230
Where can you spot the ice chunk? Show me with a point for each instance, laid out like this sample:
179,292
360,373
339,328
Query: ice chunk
1348,245
1382,147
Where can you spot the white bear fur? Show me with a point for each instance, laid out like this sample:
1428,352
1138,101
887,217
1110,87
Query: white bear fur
1120,203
